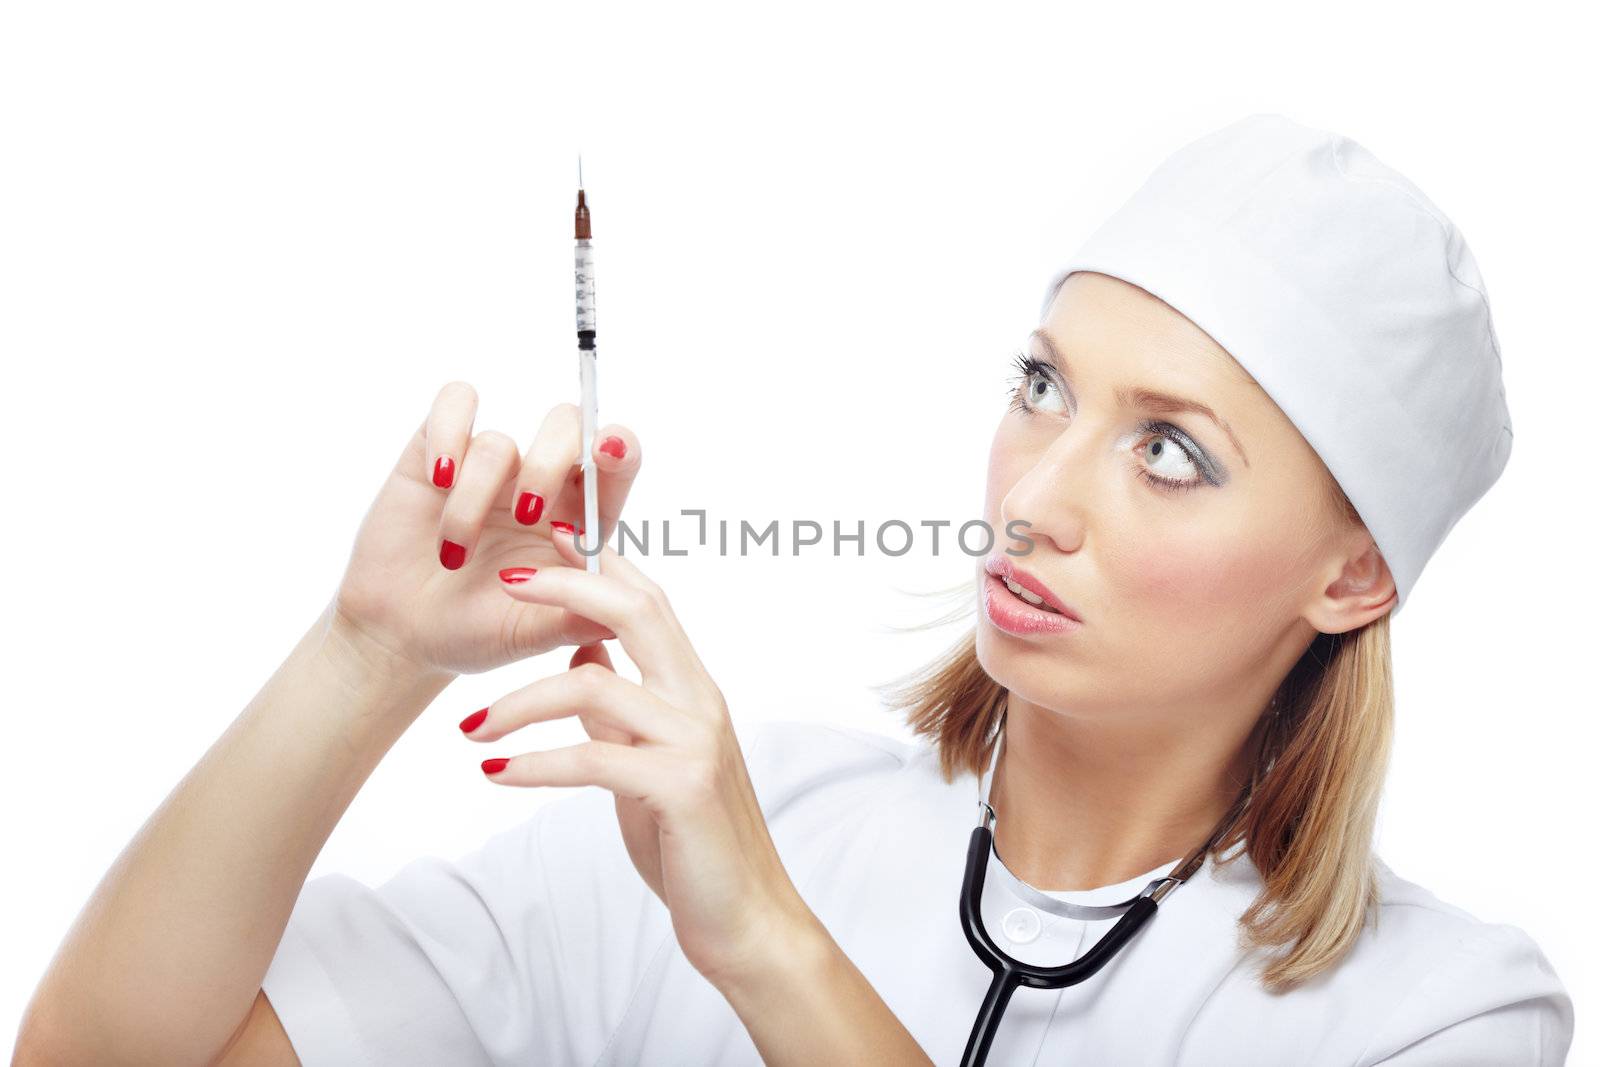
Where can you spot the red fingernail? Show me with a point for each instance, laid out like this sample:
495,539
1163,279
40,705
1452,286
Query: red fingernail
529,507
614,446
495,766
473,721
444,472
512,575
564,527
451,554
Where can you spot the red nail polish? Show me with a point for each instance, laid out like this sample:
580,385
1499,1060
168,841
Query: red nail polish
444,472
564,527
495,766
614,446
529,508
473,721
451,554
512,575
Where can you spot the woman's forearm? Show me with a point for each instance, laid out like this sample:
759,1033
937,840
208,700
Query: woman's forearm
811,1004
168,954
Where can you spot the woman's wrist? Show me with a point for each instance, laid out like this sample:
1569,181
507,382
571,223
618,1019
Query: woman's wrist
806,1002
369,667
798,949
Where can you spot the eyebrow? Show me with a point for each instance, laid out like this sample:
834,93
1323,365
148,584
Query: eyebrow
1163,403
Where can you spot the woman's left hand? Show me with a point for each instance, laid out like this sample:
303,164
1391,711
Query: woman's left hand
667,750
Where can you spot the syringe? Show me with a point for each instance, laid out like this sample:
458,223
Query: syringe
590,542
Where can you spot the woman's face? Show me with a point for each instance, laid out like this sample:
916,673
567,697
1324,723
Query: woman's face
1199,553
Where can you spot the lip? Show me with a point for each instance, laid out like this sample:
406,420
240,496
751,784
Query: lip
1010,613
999,566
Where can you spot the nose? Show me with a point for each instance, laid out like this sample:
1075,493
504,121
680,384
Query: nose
1052,493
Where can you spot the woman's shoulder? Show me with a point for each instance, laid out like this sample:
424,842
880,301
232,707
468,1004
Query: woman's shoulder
1469,983
1414,914
1424,982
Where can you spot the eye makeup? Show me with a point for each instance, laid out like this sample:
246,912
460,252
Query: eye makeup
1025,370
1030,373
1210,472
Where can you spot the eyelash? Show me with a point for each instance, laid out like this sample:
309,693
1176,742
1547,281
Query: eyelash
1025,367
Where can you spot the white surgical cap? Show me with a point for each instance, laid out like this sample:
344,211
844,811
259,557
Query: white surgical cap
1349,297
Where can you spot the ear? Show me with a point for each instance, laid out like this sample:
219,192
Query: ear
1362,589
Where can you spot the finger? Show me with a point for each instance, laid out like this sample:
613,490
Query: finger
611,563
449,425
490,459
414,459
569,629
545,465
602,694
614,566
617,455
598,654
574,629
624,770
592,653
638,614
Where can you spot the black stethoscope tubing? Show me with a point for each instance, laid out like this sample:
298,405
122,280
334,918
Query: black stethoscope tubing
1009,973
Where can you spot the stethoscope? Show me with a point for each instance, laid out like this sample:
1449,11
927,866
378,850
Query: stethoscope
1010,973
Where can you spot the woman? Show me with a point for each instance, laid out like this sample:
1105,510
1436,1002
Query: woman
1213,446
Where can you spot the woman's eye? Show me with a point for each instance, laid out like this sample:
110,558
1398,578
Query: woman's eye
1041,394
1169,463
1170,458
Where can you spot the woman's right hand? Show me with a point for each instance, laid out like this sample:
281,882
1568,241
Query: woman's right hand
412,593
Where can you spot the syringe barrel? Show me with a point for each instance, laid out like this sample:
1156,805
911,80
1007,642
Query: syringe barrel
584,263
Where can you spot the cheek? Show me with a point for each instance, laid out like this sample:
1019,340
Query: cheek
1201,573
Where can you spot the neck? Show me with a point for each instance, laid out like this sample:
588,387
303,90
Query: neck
1088,801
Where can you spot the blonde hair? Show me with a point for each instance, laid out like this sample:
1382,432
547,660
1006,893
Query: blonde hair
1321,752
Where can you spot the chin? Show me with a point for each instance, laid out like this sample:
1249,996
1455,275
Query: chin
1022,668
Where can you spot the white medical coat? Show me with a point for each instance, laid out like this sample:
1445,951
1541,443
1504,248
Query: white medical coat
545,946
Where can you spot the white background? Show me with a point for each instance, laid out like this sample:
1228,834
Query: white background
241,248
